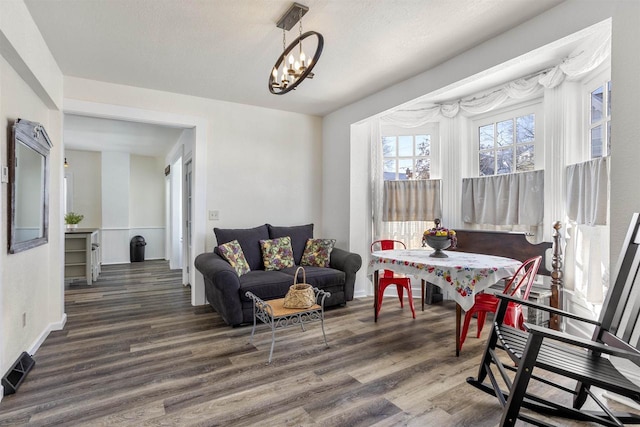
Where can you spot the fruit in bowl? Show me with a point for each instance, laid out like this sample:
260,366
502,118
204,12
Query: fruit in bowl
439,238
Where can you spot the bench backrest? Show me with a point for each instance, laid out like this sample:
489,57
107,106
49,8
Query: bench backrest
621,308
503,243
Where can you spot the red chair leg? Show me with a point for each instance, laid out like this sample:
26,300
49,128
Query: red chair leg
399,289
410,296
482,316
465,327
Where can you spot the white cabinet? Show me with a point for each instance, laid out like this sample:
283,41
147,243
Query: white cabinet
81,248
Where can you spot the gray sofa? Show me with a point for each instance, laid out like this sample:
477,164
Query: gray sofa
225,291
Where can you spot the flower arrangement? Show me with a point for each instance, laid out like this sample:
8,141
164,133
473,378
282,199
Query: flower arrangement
441,232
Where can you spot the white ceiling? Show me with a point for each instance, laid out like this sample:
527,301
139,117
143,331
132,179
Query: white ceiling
225,49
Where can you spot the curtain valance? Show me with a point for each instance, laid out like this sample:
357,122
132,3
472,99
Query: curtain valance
512,199
588,191
412,200
586,57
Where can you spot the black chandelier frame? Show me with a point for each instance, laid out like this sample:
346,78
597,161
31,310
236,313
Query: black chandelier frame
306,73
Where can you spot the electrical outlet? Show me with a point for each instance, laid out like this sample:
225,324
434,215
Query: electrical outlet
214,215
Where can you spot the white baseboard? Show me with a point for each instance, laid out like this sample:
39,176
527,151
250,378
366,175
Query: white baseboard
57,326
360,294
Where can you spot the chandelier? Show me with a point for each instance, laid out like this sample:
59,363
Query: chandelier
293,65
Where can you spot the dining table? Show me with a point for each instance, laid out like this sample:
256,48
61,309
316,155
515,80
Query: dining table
464,274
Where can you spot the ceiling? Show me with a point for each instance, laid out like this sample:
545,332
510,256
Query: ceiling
225,49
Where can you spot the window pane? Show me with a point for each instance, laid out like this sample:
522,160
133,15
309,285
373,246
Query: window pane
423,145
596,142
405,168
389,169
525,128
405,146
487,162
524,158
609,99
388,146
504,159
504,134
596,105
486,137
423,167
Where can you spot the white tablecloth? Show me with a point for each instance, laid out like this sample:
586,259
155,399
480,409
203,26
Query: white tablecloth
464,273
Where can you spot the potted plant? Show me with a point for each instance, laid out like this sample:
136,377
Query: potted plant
72,219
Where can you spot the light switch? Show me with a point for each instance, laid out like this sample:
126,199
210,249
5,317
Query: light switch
214,215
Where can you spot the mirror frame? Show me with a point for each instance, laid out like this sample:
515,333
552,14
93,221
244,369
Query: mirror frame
35,137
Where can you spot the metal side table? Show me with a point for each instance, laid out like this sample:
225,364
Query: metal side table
274,314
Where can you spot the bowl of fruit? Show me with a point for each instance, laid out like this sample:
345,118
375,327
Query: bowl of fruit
439,238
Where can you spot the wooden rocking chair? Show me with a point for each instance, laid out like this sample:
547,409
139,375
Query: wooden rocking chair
587,362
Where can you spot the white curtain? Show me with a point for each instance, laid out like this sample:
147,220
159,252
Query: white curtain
587,240
585,58
588,191
587,250
511,199
412,200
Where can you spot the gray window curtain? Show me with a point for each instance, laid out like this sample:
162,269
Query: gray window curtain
412,200
588,191
511,199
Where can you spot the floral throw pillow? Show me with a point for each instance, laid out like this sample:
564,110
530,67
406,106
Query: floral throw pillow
232,252
277,253
317,252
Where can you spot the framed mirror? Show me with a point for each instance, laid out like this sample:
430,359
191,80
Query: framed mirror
28,186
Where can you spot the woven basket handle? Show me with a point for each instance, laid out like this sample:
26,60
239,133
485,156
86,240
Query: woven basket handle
304,276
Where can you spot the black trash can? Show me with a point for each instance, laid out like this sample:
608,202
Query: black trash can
136,249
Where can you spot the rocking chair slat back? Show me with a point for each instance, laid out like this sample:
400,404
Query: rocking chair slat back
621,309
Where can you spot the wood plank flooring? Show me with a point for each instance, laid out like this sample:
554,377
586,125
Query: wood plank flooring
135,352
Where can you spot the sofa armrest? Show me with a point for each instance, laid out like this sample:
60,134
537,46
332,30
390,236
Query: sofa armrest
348,262
222,286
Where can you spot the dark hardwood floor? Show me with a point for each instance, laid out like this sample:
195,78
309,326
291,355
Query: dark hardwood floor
135,352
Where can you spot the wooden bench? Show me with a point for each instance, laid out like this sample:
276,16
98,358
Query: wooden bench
564,357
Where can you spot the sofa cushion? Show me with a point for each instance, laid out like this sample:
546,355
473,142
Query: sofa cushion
232,253
277,253
317,252
265,284
299,235
249,239
319,277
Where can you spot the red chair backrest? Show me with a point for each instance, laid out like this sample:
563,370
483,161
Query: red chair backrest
386,245
524,277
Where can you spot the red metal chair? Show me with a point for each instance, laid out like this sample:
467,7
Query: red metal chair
484,303
387,277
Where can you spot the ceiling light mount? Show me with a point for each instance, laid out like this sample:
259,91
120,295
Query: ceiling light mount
294,70
292,16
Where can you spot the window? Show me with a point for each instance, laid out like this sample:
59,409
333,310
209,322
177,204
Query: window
600,120
507,146
406,157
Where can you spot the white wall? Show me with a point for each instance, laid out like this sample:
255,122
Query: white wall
262,165
146,204
85,168
30,88
565,19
